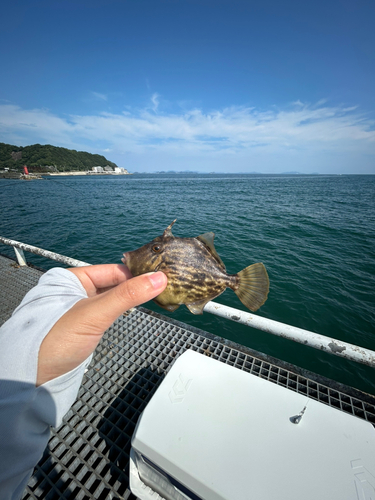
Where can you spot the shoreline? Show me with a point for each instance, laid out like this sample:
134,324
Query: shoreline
57,174
86,172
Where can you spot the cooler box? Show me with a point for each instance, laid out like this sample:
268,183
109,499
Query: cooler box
214,432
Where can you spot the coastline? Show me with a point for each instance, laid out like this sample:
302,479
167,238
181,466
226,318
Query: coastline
16,175
85,172
57,174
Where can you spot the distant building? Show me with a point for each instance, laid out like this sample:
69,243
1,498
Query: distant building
119,170
107,170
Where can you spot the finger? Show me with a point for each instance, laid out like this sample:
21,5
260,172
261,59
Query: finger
133,292
94,278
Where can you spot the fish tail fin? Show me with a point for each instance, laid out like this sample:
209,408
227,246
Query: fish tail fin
253,286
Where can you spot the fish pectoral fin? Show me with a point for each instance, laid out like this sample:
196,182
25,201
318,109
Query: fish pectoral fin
208,240
168,307
197,307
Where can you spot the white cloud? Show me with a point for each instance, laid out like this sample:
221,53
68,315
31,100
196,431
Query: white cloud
99,96
301,134
155,101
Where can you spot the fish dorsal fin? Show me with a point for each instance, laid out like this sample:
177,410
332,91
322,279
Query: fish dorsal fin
168,232
208,240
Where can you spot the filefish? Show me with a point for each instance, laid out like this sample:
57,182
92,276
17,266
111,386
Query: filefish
195,272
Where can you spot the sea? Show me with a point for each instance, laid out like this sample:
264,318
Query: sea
314,233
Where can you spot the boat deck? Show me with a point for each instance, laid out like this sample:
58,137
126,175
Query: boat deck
88,455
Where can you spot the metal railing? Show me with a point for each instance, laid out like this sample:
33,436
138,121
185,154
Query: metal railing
305,337
19,248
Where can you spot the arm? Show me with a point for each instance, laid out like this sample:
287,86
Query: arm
44,349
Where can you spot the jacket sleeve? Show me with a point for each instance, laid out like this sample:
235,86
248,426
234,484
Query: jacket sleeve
27,411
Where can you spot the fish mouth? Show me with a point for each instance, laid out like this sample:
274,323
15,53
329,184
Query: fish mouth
125,258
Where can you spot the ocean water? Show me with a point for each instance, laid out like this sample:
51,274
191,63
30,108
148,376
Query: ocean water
314,234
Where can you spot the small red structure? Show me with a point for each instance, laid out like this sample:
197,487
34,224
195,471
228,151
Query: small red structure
25,171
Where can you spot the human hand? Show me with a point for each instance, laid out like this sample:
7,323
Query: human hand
111,291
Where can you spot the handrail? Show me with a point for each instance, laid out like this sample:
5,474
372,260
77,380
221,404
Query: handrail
311,339
40,251
321,342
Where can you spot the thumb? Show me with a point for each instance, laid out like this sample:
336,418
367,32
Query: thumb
111,304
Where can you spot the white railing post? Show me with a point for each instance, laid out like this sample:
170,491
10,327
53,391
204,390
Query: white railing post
20,256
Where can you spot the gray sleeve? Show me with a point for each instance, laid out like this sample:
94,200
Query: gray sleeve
27,411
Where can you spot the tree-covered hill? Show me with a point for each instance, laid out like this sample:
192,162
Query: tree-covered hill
38,158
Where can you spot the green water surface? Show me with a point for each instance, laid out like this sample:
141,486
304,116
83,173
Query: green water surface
315,235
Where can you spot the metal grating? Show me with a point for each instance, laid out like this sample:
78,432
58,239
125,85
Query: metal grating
15,282
88,455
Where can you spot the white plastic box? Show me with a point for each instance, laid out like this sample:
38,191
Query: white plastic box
214,432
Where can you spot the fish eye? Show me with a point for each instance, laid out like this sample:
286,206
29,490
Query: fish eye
156,248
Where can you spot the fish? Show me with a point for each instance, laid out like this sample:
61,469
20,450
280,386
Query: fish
196,274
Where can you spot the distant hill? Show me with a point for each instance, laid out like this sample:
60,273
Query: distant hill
49,158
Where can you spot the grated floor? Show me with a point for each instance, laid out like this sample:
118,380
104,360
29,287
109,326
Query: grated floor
15,282
88,455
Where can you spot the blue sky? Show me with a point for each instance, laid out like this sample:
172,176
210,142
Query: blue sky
225,86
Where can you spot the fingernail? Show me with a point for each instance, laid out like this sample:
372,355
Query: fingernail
157,279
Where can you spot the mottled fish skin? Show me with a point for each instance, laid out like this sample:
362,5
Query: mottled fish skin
195,272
